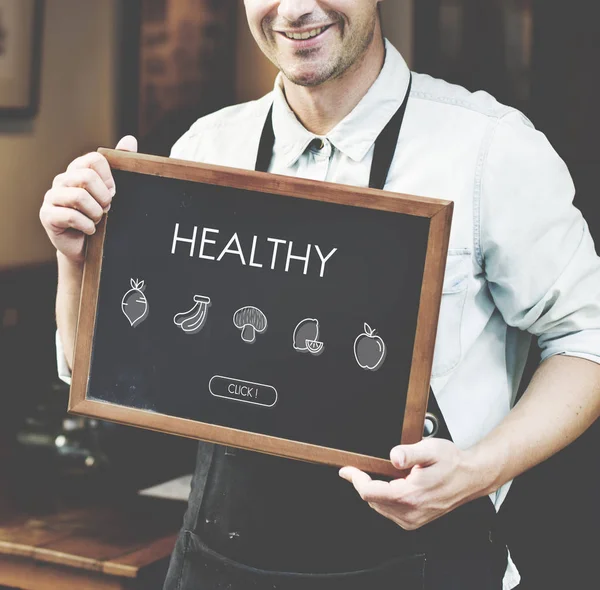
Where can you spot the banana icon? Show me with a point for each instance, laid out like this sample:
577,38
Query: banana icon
192,321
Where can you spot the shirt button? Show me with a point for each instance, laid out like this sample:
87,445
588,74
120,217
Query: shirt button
317,143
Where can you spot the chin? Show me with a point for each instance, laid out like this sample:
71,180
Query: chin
308,77
308,81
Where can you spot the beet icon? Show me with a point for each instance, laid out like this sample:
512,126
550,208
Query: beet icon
134,303
369,350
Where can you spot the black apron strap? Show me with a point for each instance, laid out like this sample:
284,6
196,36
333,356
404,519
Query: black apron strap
266,144
385,146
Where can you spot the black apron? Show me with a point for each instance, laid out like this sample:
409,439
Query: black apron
260,522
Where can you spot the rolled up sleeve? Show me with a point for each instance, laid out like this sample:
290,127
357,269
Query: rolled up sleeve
64,373
535,246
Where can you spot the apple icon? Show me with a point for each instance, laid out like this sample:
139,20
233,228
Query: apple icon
369,350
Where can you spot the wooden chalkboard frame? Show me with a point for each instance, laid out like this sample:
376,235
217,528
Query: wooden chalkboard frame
439,213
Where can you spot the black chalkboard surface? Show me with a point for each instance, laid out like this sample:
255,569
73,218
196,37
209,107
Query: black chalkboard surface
288,316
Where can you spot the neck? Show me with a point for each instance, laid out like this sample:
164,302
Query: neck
321,108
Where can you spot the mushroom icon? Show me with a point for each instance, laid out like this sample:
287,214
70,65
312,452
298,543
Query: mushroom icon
250,320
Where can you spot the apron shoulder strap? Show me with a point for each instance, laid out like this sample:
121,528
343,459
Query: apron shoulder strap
385,146
266,144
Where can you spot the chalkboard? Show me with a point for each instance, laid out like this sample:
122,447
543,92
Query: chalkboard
282,315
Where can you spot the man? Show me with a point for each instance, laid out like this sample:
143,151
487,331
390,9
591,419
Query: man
521,262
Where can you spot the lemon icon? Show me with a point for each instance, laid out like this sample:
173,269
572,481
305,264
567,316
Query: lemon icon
306,337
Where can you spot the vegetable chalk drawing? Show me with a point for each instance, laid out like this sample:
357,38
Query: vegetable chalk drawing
306,337
369,350
192,321
250,320
135,304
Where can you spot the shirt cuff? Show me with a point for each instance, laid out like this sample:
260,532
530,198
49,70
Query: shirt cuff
584,344
582,355
64,372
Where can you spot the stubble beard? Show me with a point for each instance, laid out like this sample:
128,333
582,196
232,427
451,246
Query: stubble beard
351,56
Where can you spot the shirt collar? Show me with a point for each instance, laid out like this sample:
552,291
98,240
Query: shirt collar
356,133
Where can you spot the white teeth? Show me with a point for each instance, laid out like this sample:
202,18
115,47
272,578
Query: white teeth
306,35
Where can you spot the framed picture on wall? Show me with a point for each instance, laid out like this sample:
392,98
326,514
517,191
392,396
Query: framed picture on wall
20,52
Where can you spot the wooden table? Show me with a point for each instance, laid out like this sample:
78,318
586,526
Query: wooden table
98,547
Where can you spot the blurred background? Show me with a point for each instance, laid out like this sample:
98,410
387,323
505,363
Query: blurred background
75,75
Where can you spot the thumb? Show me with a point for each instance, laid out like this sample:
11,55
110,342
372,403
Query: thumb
128,144
408,456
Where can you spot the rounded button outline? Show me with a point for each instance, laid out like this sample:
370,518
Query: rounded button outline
236,399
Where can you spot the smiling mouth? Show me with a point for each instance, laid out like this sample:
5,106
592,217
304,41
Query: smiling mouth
305,34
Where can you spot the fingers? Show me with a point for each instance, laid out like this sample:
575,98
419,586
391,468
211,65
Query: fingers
408,519
80,200
128,144
88,179
355,476
423,453
390,499
432,486
99,164
64,218
371,490
77,199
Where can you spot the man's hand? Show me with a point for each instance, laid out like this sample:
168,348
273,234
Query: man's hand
78,199
440,478
560,403
72,207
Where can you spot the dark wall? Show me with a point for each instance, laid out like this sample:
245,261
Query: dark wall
565,86
27,361
554,514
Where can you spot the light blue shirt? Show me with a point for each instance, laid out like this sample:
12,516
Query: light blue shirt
521,260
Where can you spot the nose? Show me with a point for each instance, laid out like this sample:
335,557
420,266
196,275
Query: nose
293,10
